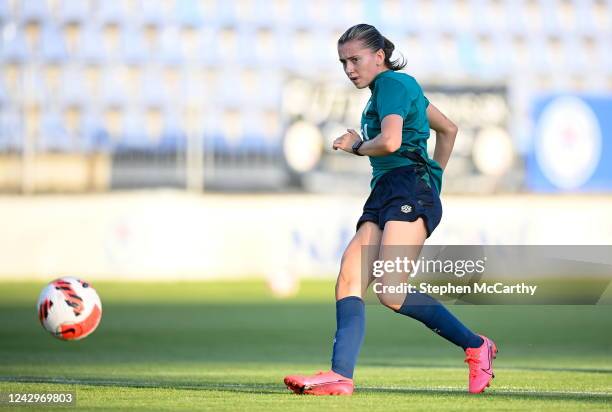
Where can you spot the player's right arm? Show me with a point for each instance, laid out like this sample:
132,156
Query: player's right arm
388,141
446,132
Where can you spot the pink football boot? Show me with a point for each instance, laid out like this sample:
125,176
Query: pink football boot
480,361
323,383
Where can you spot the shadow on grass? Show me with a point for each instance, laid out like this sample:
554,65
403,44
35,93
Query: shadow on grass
505,368
269,389
499,393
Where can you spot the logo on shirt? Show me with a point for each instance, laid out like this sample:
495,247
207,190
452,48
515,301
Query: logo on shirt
406,209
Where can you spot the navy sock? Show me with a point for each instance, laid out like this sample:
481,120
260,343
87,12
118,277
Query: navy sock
350,329
436,317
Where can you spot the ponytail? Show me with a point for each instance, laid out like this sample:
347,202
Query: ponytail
388,48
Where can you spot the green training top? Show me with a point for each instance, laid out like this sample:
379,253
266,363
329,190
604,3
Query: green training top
399,93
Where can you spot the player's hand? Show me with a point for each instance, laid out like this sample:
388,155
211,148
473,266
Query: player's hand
346,141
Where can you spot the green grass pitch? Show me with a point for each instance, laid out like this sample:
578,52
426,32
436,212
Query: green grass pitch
227,346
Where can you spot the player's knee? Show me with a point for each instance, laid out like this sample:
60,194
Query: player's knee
389,300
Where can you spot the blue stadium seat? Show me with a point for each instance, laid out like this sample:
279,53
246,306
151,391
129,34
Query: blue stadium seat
597,10
487,55
552,21
192,89
188,13
172,141
53,134
226,13
299,17
227,45
608,11
576,59
207,48
281,41
73,86
170,53
74,11
228,90
516,9
263,14
215,142
445,10
446,45
113,89
265,47
420,59
14,48
468,53
271,89
134,50
33,11
345,17
320,42
91,49
249,82
604,45
410,17
134,135
262,46
214,135
587,17
151,86
483,16
112,12
246,53
4,97
253,147
53,46
174,137
519,52
11,130
5,11
539,59
584,17
34,87
503,58
254,138
152,12
94,136
372,9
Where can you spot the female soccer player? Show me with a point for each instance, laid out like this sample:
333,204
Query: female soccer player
403,209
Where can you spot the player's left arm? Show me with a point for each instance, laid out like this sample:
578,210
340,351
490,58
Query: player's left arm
446,132
388,141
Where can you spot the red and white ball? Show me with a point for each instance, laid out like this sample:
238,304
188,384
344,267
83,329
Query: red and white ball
69,308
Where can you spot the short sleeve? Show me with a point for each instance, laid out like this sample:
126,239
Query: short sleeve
426,101
392,97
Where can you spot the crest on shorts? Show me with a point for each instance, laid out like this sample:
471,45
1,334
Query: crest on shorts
406,209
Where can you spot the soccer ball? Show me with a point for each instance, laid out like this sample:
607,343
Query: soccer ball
69,308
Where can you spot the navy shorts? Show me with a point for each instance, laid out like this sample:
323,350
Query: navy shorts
401,194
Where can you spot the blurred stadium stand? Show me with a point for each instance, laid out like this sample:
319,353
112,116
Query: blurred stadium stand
149,84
